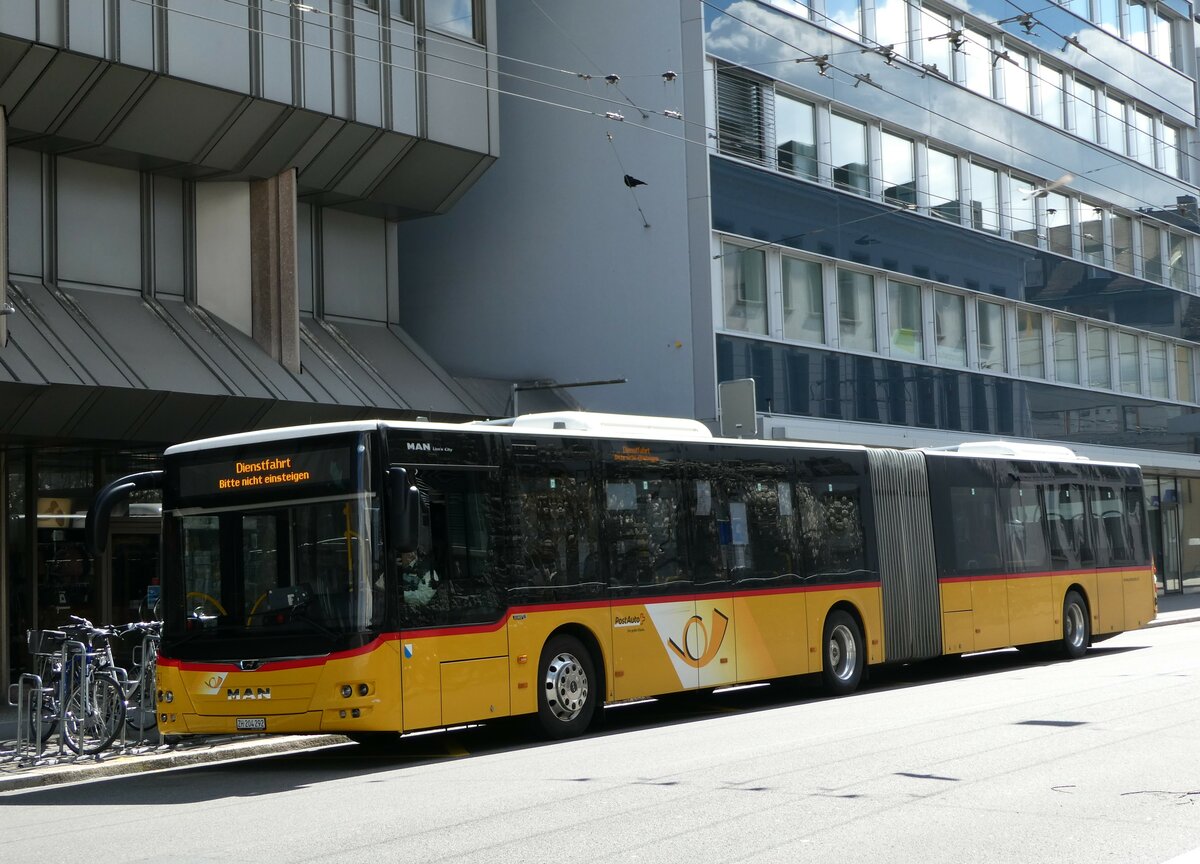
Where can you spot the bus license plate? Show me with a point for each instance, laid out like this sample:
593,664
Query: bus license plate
251,723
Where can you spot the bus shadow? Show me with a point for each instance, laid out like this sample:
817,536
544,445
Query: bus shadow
270,775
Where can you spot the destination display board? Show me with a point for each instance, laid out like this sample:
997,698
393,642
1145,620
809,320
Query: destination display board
270,471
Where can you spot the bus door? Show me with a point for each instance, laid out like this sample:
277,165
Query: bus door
658,641
1026,550
1114,553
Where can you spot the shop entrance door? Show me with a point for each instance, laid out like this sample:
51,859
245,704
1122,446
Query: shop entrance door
132,570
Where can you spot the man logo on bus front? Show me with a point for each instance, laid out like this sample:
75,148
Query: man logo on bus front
706,648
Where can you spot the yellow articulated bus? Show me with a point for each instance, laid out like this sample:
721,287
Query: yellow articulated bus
389,576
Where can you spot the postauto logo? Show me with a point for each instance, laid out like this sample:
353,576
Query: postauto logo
699,646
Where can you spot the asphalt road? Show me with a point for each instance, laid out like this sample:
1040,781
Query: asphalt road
992,758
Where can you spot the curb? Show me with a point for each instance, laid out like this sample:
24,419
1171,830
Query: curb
1162,622
54,775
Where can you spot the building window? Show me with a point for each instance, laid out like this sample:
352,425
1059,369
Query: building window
1143,138
951,319
795,136
1015,72
741,116
1022,210
1130,377
744,280
849,143
1151,253
1051,91
991,336
943,185
856,310
985,209
1099,365
1058,224
1177,260
891,25
1114,125
1139,27
799,8
1164,39
1030,350
1156,360
844,17
905,320
899,175
803,301
1091,232
1109,16
1122,241
1185,388
1066,350
935,42
1172,163
452,16
977,59
1084,104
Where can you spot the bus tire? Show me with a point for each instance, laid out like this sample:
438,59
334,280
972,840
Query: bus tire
842,654
566,688
1076,626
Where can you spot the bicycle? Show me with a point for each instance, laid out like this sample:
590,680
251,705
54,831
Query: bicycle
140,706
81,695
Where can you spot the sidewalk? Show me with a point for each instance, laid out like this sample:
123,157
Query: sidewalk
155,756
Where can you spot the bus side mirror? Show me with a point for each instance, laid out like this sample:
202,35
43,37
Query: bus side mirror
404,510
95,526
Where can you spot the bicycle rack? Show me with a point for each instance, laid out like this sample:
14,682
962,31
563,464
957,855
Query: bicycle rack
70,648
27,685
146,690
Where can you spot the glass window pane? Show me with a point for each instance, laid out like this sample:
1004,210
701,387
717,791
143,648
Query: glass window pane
934,42
741,118
799,8
891,25
803,300
1122,241
1015,71
1114,125
1177,260
849,147
1171,155
844,17
454,16
1139,26
950,317
1058,223
795,136
744,278
1143,138
905,320
985,211
1022,210
1156,358
991,336
1164,42
1050,94
1091,232
1085,110
1110,16
1185,390
1151,253
856,310
977,57
1030,351
943,185
1127,363
899,175
1099,369
1066,350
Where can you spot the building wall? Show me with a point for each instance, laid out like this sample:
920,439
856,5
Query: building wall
547,268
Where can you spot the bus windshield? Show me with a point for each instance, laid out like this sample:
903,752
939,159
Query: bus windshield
300,569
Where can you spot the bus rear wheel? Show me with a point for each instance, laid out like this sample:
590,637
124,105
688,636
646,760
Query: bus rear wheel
1076,628
843,656
566,678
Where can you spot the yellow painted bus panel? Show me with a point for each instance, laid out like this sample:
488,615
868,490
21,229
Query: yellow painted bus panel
989,602
956,596
474,690
1141,601
527,635
865,601
711,642
421,680
644,662
958,632
772,636
1109,615
1031,607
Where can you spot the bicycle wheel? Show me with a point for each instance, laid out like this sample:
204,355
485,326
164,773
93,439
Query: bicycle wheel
45,704
140,713
90,728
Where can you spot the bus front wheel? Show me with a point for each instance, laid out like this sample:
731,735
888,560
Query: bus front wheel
843,656
1076,635
566,682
